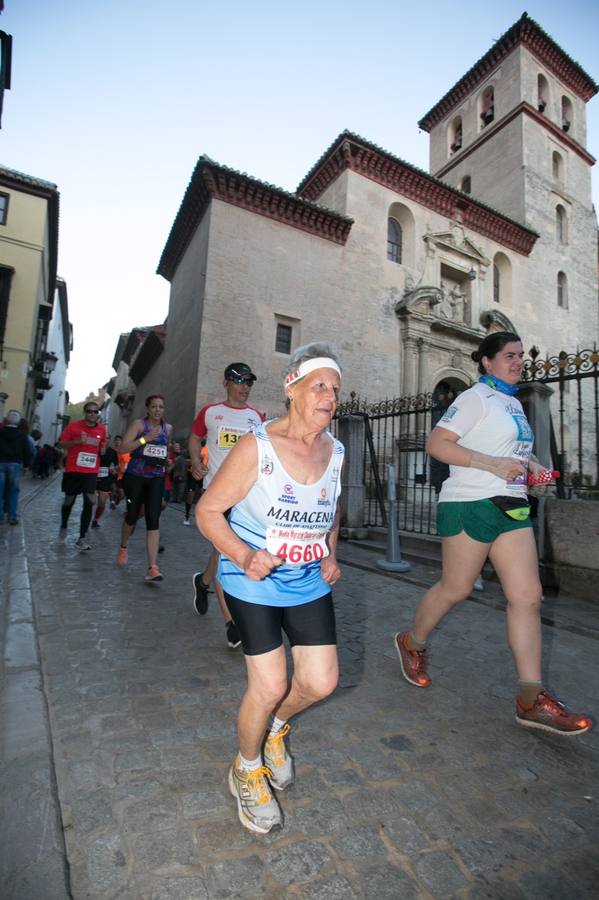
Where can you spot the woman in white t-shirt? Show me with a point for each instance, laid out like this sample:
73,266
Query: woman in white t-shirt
483,512
281,483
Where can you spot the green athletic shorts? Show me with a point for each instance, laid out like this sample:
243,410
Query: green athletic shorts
480,519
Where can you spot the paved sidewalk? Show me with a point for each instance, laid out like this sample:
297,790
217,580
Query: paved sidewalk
401,793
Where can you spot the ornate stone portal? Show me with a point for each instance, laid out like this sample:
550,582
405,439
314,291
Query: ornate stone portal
440,317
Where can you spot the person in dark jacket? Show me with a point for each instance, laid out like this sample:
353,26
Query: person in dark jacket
15,457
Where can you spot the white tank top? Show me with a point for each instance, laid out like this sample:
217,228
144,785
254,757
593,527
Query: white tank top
289,519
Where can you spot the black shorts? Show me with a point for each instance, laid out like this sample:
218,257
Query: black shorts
260,627
74,483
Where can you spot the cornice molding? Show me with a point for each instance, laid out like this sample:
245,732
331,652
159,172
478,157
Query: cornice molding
350,152
525,32
211,181
491,130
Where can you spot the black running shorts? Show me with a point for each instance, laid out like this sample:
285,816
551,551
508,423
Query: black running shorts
308,625
74,483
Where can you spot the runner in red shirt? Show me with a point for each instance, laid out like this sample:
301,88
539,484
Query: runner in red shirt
84,441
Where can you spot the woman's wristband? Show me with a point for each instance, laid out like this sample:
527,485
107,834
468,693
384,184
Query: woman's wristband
142,441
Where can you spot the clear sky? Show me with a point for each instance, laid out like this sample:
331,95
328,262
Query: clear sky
114,102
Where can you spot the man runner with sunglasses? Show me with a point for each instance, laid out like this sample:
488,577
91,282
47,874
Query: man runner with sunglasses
84,442
222,424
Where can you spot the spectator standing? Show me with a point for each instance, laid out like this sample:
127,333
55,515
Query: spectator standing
15,458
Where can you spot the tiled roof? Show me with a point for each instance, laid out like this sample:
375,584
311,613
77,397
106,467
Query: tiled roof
22,178
211,180
527,32
350,151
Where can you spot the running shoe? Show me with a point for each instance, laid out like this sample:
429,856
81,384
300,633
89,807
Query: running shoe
95,524
186,521
122,556
200,594
278,760
256,806
153,574
13,521
233,636
82,545
549,714
413,662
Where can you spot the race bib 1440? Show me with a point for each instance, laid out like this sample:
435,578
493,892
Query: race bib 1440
87,460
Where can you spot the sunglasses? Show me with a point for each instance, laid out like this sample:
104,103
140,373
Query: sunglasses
239,379
92,412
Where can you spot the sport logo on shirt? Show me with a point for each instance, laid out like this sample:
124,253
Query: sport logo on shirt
449,414
267,466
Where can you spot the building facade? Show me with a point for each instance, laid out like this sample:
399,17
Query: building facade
50,410
404,270
28,261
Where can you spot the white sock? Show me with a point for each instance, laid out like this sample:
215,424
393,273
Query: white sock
249,765
276,725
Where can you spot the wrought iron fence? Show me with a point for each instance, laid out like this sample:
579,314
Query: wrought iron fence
574,416
396,432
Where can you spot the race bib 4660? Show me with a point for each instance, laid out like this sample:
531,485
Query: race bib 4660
297,548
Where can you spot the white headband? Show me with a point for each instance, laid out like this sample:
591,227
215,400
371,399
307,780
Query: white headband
321,362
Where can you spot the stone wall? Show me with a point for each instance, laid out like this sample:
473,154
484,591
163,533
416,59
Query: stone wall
571,542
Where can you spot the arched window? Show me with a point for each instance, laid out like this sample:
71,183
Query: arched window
542,92
502,279
455,131
487,106
394,236
561,225
557,166
566,113
466,184
562,290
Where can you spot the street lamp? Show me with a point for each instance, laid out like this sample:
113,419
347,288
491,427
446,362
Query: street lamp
49,360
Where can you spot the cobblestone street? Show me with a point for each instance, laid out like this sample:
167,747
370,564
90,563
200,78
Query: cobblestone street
400,793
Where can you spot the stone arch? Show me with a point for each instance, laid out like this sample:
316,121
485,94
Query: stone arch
493,320
455,135
567,114
486,106
561,224
542,92
502,279
557,166
404,216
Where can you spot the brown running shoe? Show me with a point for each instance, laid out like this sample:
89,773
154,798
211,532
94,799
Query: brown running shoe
549,714
413,662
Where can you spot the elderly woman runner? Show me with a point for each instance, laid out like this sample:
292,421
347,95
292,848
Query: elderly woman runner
281,483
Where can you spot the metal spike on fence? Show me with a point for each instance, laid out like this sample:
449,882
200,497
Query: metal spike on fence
393,561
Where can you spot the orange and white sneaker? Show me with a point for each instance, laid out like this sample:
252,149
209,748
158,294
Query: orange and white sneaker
278,760
413,662
153,574
547,713
122,556
256,806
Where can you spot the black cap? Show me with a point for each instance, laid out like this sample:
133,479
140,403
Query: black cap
239,370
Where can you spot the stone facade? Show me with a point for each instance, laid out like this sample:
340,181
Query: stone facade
244,258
